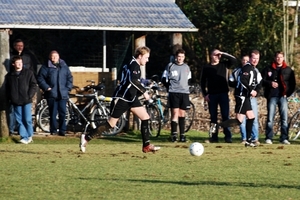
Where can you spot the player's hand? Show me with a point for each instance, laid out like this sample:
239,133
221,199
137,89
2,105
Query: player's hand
253,93
146,95
274,84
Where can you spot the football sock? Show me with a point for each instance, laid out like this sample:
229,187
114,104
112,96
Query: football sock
249,124
145,132
97,131
181,121
173,127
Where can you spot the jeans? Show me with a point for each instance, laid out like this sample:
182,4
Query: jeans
255,132
221,99
24,120
12,119
60,107
283,112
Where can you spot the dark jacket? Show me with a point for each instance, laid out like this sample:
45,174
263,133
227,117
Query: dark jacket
285,77
57,77
214,77
20,87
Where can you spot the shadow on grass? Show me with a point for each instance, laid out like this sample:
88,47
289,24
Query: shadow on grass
241,184
213,183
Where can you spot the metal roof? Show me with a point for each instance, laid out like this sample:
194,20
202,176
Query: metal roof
118,15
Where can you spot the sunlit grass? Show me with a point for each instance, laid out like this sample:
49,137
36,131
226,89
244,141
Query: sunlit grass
116,168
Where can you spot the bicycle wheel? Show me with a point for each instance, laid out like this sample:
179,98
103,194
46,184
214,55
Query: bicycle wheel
44,119
294,126
99,116
154,121
189,117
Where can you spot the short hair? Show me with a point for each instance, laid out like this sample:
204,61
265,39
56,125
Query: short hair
179,51
278,52
212,51
256,52
17,41
52,52
141,51
15,58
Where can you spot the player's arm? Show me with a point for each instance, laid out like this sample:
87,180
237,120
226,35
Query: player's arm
135,81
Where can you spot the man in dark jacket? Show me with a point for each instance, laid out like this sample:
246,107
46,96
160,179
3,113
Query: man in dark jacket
215,91
56,80
20,88
279,83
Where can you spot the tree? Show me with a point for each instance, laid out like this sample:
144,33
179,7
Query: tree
234,26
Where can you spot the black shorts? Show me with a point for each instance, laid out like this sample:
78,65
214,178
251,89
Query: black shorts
242,104
179,100
119,106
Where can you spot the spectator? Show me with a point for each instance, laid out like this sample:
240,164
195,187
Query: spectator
126,98
248,81
215,91
177,74
56,80
20,88
18,50
279,83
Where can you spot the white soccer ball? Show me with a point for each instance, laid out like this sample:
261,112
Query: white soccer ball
196,149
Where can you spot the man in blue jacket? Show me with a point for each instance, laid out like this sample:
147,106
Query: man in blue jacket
56,80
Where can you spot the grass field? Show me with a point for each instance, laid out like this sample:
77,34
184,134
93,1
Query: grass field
116,168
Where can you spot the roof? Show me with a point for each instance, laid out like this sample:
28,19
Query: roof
121,15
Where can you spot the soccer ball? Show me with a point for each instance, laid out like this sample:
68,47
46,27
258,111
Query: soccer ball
196,149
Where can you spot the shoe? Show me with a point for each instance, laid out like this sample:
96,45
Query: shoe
268,141
23,141
228,141
61,134
250,144
285,142
30,140
173,138
211,141
52,133
83,143
243,142
256,142
182,138
150,148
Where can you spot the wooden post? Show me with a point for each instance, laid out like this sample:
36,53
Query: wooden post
4,62
141,41
176,42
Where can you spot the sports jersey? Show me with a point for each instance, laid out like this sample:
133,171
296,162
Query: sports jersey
249,79
130,86
178,76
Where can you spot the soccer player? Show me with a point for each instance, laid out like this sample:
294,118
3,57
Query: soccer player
125,98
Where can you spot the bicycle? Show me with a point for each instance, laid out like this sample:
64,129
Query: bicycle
91,115
294,123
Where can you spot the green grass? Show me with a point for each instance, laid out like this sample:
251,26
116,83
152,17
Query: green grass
116,168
